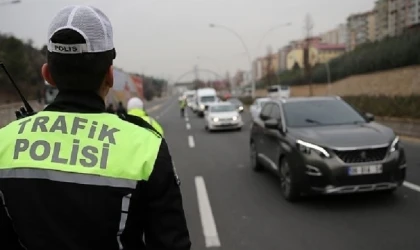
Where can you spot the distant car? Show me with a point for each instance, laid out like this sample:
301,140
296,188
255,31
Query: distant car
221,116
323,145
204,98
237,103
255,108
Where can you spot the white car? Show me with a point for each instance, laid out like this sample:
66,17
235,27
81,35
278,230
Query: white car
221,116
256,107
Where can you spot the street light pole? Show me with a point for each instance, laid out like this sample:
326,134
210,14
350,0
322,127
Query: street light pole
271,30
246,50
327,66
10,2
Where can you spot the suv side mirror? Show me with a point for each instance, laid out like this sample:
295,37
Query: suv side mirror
272,124
370,117
263,117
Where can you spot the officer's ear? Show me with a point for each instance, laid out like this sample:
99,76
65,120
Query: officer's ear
46,74
109,77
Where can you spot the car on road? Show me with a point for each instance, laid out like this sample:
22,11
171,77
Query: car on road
237,103
278,91
222,116
256,107
323,145
204,98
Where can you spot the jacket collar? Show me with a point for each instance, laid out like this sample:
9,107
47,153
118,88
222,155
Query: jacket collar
78,102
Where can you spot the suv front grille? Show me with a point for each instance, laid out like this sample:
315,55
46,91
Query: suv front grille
362,155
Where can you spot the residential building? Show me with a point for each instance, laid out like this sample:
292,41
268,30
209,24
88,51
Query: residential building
261,65
393,17
381,19
283,57
319,52
361,29
335,36
239,79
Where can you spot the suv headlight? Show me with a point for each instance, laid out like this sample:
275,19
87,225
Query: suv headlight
235,118
202,106
306,147
215,119
395,144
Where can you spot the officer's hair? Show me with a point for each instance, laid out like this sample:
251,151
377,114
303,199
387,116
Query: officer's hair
84,72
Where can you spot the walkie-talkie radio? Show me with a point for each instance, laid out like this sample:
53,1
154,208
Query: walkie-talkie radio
26,110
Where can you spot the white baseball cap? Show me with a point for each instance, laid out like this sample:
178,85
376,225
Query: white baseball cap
134,103
89,22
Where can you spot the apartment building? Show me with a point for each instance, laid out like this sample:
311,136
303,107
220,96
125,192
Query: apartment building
392,17
335,36
283,57
381,19
319,53
361,28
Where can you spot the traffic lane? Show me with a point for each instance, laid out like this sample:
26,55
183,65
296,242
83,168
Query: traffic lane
155,102
251,214
186,162
412,151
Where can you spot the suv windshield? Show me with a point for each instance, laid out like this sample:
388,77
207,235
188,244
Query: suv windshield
222,108
320,113
208,99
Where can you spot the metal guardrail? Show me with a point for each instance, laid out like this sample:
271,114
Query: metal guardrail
7,111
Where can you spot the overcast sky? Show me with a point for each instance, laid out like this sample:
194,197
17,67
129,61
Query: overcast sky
165,37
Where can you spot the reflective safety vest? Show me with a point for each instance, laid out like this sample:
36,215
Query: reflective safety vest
142,114
100,145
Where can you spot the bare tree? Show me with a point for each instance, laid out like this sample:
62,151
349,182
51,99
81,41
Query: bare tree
270,77
308,28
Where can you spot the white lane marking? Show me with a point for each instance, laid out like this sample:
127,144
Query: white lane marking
206,214
188,126
186,119
191,141
411,186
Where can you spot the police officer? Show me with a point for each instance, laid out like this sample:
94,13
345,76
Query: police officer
135,107
182,105
75,177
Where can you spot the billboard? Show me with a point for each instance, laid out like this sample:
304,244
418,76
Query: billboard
125,86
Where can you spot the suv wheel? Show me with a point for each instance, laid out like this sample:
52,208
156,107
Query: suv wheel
289,188
255,163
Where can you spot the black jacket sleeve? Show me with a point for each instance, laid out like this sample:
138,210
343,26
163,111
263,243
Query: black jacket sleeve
8,237
156,210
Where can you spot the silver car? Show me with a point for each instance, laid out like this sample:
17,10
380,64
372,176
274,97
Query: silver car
221,116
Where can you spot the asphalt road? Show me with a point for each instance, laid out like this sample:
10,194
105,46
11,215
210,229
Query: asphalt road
228,206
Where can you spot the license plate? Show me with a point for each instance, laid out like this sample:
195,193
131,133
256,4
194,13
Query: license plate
365,170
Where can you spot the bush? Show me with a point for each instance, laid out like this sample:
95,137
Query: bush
389,106
390,53
246,100
385,106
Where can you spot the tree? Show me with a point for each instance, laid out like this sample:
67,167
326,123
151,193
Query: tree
309,25
270,76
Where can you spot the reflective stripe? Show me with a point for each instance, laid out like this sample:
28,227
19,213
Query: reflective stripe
54,175
124,214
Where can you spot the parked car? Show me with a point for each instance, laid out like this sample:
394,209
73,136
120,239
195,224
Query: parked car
255,108
237,103
323,145
221,116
